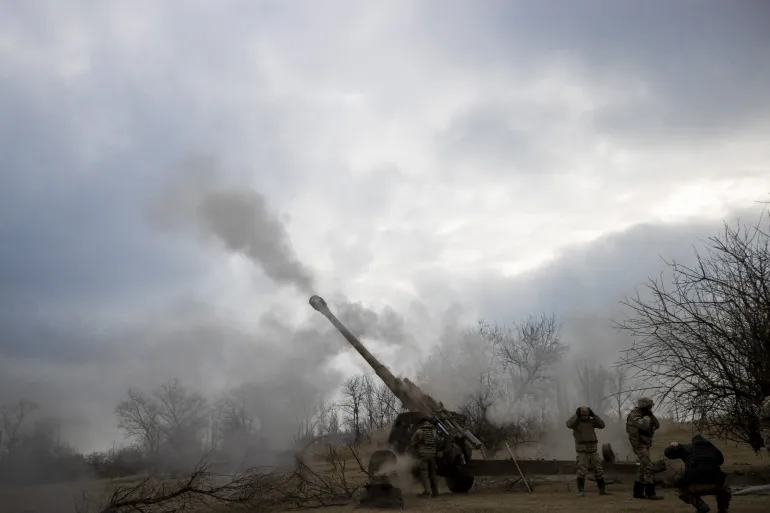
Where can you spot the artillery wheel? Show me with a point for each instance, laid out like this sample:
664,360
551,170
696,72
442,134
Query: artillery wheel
459,483
607,453
379,459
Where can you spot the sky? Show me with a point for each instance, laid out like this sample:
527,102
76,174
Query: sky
179,177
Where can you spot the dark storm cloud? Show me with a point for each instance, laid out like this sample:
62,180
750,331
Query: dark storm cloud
595,276
703,64
71,227
585,284
80,156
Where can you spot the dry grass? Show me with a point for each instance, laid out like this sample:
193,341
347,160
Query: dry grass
55,498
564,502
556,498
488,497
737,456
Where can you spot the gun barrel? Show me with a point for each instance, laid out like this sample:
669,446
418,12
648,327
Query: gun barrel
381,370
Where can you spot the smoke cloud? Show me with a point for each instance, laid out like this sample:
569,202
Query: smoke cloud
290,364
235,216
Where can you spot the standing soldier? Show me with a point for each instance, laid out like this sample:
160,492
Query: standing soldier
584,424
764,422
641,424
424,442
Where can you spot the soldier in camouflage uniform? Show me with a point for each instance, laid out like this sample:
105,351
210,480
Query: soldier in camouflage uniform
641,424
764,422
424,442
584,424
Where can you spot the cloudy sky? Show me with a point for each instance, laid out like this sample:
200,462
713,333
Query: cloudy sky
423,158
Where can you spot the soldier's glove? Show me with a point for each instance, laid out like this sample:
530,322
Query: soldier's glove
591,413
577,412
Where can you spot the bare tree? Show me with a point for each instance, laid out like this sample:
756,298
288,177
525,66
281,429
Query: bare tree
564,399
526,351
138,418
706,337
620,389
235,423
172,419
593,381
328,419
353,404
183,413
12,421
380,404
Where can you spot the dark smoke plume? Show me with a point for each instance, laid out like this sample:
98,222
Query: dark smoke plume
235,216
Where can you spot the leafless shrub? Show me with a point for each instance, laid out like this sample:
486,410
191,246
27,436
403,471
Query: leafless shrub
330,481
200,488
331,478
706,337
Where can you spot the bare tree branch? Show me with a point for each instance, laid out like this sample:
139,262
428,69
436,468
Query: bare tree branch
705,339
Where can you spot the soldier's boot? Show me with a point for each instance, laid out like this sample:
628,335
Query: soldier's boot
425,480
581,485
433,488
700,505
723,501
638,490
602,486
649,491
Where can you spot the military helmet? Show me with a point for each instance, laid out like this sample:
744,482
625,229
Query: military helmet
585,411
645,402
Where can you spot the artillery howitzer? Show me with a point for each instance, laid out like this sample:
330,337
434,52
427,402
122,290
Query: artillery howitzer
458,442
455,463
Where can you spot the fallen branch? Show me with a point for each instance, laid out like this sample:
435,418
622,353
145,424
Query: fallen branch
201,487
323,487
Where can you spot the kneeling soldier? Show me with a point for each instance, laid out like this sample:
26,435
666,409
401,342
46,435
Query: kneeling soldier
584,424
702,473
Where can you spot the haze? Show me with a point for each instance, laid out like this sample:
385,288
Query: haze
179,177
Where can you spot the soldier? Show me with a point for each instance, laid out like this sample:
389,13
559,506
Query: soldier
641,424
424,442
764,422
702,473
584,424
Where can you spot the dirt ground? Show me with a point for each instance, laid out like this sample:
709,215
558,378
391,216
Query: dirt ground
555,501
486,496
562,497
546,498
